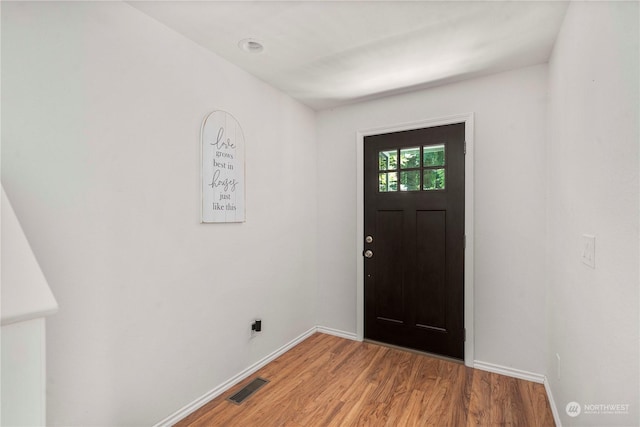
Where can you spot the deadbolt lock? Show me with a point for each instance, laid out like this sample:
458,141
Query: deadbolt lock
368,239
368,253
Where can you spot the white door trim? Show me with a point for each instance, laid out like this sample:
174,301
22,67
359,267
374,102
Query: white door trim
467,119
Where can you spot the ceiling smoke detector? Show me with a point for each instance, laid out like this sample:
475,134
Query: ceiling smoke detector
251,45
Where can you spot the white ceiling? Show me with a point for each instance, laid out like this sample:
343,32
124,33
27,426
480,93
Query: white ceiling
329,53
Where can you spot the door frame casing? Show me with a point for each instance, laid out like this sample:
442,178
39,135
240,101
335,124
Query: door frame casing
467,119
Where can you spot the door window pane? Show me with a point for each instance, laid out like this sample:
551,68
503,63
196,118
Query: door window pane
433,155
412,168
388,160
388,181
410,181
433,179
410,158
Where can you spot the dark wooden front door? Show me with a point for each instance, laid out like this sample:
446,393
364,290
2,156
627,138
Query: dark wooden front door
414,239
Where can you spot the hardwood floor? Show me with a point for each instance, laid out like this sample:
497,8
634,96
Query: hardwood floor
330,381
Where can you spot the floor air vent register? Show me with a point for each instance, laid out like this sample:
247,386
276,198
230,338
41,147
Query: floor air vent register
247,391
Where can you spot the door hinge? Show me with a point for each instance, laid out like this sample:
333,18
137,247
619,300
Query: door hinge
465,147
465,334
465,241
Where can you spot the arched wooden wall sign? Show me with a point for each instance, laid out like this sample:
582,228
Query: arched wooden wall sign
222,143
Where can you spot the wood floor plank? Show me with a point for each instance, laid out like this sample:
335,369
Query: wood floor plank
392,376
538,411
506,402
456,402
480,401
411,412
330,381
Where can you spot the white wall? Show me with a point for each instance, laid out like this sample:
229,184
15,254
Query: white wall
593,189
510,125
25,300
101,114
23,374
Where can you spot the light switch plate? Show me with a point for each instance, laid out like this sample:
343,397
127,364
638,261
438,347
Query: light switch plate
589,250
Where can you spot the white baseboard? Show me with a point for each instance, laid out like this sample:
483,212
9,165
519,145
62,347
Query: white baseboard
337,333
552,403
510,372
217,391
